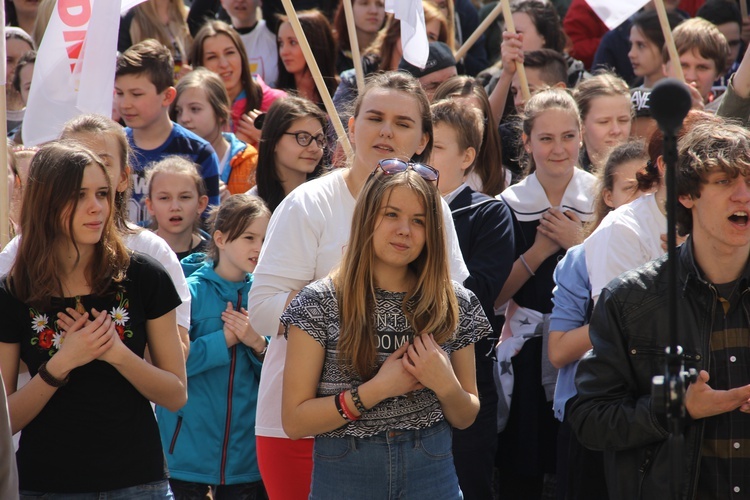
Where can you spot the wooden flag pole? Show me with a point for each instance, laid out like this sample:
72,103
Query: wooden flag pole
469,43
674,57
354,43
318,77
509,26
4,194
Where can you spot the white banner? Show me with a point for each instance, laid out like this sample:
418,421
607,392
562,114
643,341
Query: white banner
614,13
414,40
75,66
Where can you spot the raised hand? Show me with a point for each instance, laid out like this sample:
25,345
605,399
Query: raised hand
511,51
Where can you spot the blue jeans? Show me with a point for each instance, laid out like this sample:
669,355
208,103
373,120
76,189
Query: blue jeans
158,490
390,465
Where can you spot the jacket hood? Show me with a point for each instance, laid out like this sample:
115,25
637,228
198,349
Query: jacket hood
226,289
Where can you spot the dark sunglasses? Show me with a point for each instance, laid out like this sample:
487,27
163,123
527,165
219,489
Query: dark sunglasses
304,139
391,166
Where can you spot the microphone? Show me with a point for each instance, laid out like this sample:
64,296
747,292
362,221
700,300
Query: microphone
670,102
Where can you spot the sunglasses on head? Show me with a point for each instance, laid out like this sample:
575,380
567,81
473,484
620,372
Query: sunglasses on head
391,166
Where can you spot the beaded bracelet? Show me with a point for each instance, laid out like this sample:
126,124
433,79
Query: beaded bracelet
526,265
50,379
357,402
349,415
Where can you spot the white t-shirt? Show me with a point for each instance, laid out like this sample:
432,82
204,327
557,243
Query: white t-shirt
262,52
143,241
627,238
305,241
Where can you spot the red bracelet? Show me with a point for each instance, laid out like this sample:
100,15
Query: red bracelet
345,409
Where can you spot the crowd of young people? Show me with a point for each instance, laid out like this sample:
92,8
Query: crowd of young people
409,322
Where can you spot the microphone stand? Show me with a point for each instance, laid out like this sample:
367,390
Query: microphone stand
670,102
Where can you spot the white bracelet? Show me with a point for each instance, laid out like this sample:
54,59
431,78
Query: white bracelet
526,265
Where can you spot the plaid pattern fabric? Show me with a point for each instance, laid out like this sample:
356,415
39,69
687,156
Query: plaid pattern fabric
725,451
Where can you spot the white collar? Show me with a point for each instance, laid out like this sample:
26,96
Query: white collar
528,200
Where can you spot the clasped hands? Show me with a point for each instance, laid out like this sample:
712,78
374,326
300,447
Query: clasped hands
422,363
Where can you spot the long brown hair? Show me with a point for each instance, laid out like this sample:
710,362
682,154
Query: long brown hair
323,45
214,28
175,35
55,178
430,306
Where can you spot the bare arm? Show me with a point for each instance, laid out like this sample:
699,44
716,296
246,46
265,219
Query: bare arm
542,248
304,414
567,347
453,380
511,52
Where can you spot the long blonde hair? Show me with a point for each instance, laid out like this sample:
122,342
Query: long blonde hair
430,307
175,35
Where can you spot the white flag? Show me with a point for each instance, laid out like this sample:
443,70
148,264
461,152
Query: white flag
75,66
416,48
614,13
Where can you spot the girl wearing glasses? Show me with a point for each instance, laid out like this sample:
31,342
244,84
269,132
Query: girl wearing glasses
381,375
291,148
307,237
202,106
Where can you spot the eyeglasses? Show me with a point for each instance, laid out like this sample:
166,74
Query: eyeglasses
391,166
304,139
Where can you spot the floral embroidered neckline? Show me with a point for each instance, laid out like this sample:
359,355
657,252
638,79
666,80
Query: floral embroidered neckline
49,336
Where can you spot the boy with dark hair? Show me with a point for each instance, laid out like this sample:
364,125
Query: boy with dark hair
703,54
143,93
629,331
484,227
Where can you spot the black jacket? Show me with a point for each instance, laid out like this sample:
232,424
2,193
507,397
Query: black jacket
613,411
484,227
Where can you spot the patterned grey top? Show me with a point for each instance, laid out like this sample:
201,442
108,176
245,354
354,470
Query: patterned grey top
315,310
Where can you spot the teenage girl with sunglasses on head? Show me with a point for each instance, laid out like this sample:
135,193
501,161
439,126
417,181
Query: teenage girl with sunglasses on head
381,376
307,236
292,144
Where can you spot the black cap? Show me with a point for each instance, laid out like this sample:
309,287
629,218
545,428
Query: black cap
440,57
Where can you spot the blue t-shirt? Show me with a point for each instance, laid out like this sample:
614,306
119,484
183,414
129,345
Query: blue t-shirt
181,142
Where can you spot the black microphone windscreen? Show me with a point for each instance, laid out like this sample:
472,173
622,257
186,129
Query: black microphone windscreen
670,102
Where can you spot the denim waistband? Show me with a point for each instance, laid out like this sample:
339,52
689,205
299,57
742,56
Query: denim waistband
408,435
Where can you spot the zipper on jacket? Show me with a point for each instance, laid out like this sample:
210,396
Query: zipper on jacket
230,388
174,436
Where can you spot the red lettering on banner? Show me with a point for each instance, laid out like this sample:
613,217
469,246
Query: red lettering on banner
74,14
